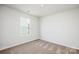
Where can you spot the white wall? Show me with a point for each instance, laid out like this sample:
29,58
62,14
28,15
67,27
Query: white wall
9,27
62,28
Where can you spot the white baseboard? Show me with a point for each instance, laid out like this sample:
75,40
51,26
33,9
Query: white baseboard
62,44
15,45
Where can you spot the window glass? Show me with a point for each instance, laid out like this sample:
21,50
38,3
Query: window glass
24,26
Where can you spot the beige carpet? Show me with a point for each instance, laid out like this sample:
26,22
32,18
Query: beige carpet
39,47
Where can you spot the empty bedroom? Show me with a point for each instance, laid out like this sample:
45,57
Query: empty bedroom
39,29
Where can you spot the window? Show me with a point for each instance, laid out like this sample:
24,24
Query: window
24,26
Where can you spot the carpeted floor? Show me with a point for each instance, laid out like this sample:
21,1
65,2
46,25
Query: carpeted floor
39,47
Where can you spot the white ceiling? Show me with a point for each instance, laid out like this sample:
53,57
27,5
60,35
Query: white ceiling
42,9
